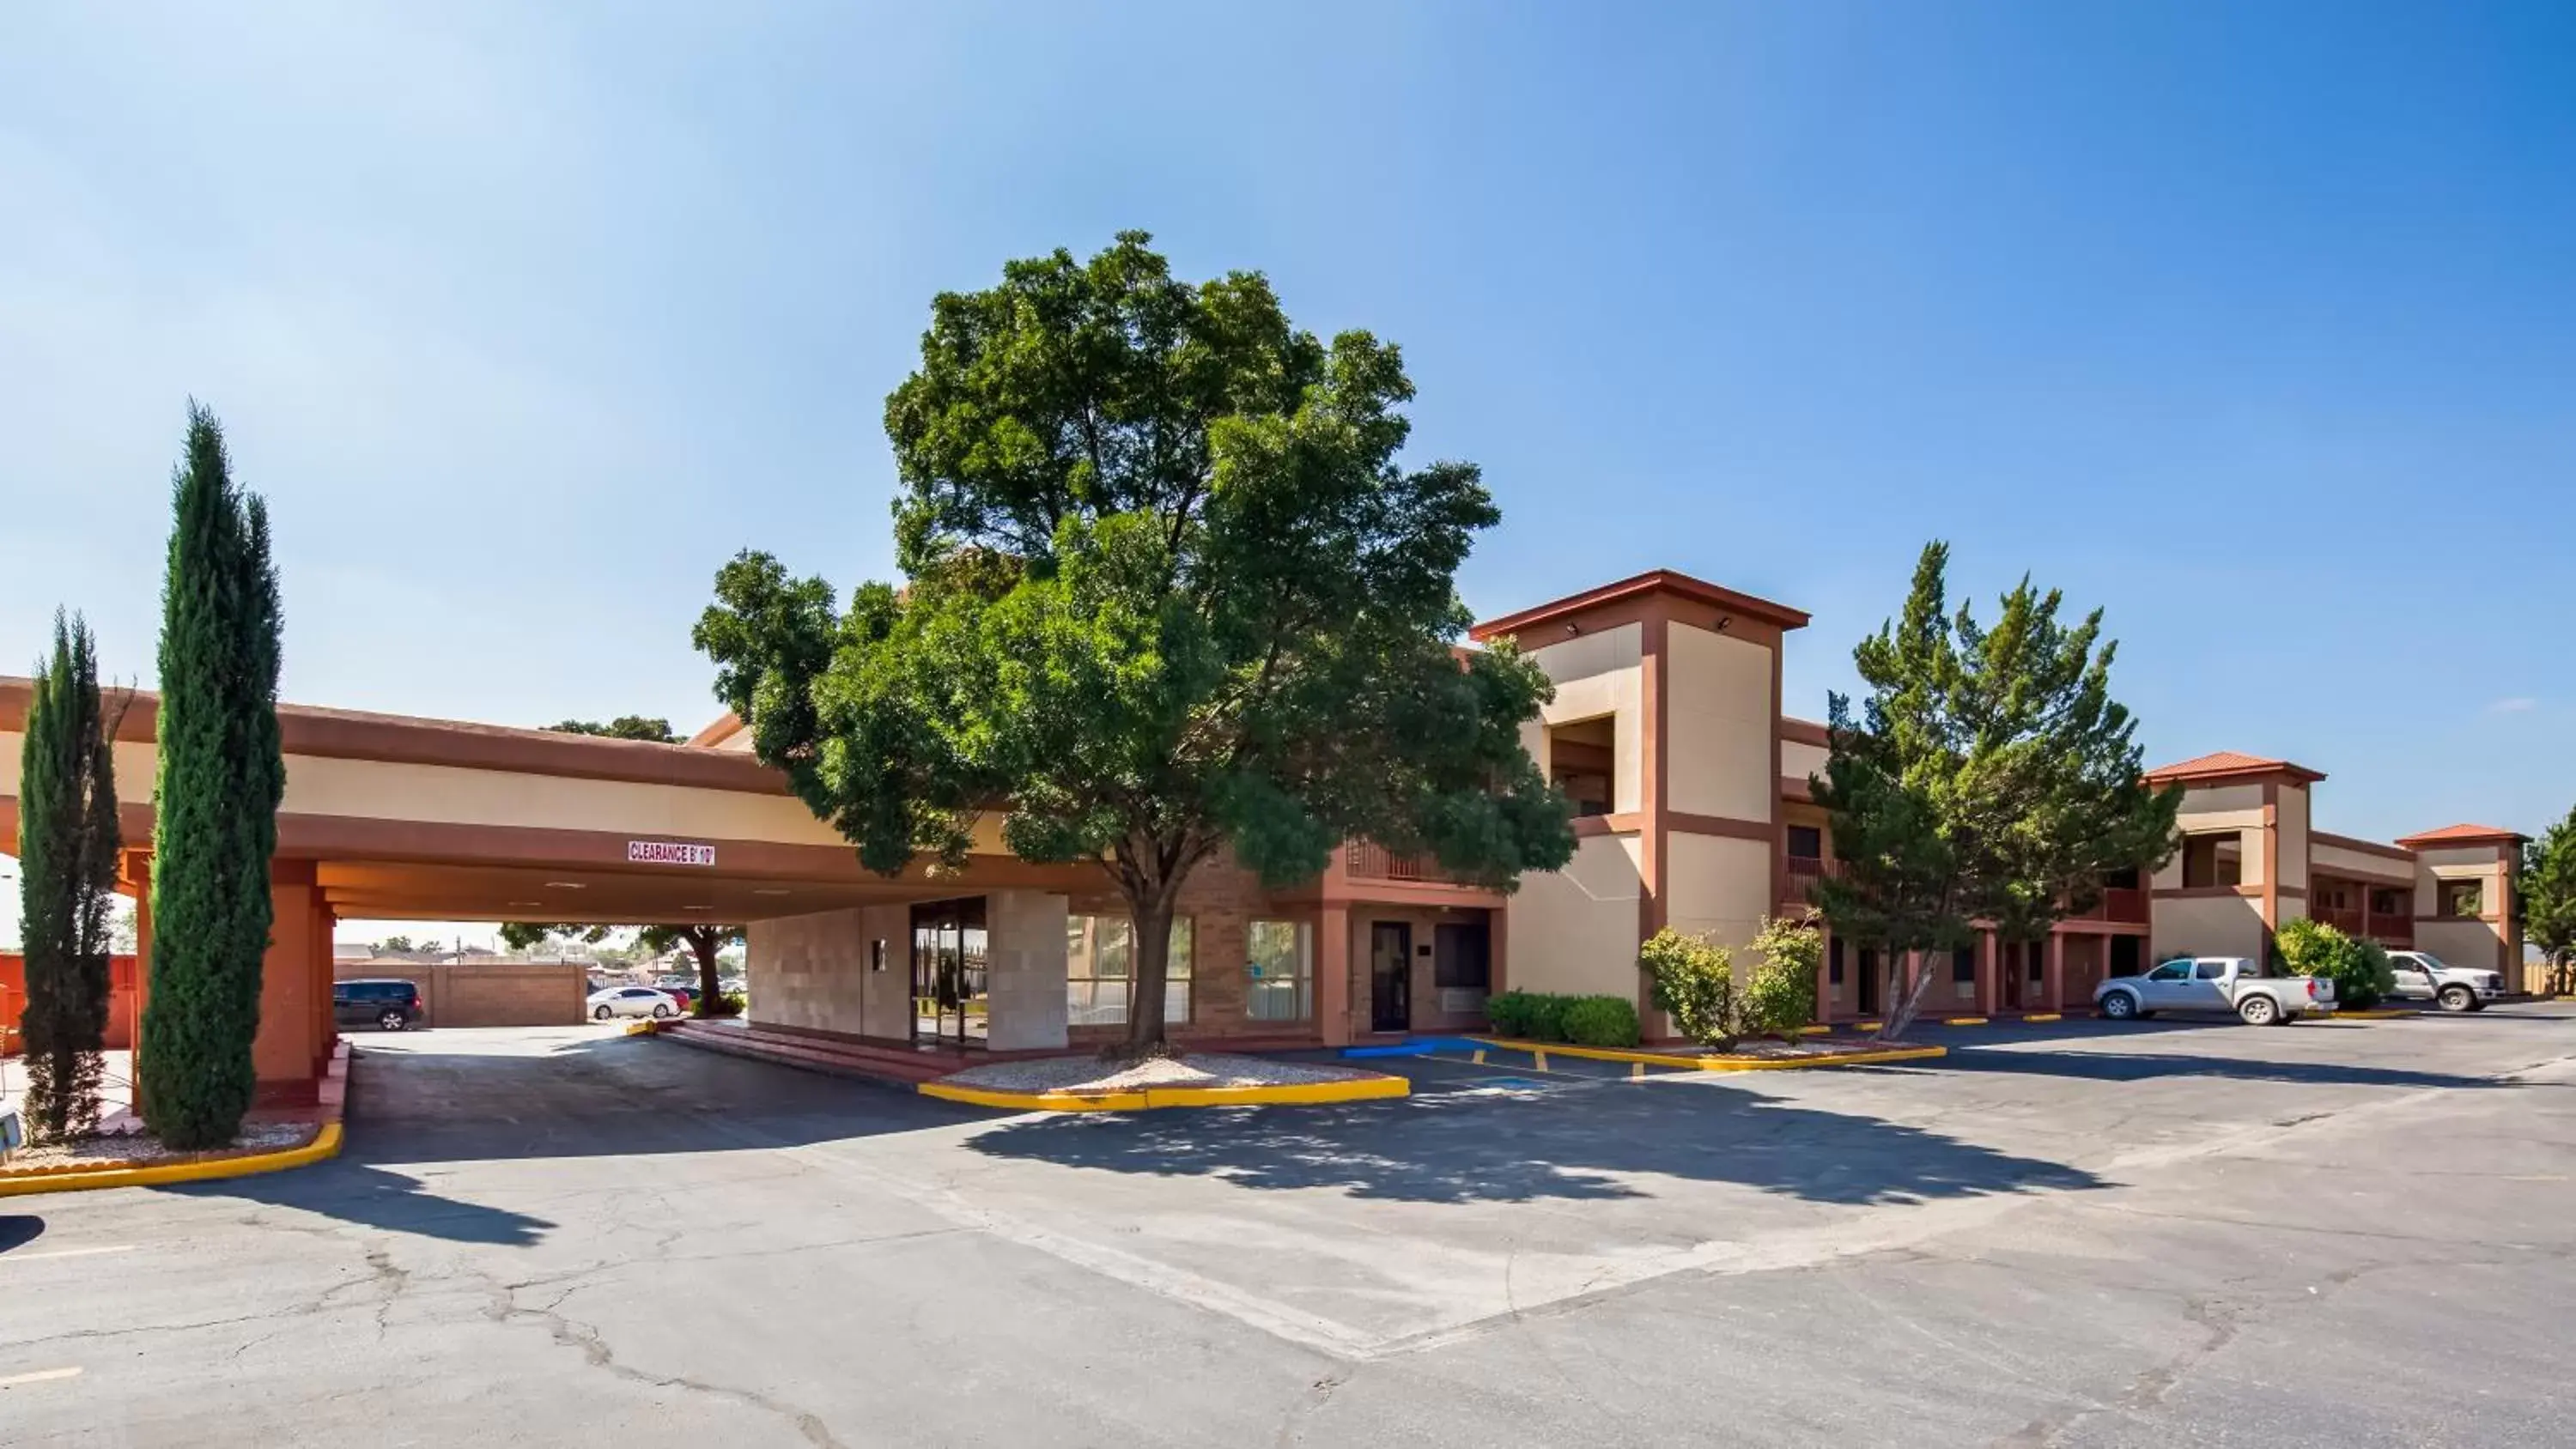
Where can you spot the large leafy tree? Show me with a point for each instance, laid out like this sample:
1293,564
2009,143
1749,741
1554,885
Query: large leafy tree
1169,591
67,845
704,939
2546,891
1987,780
221,776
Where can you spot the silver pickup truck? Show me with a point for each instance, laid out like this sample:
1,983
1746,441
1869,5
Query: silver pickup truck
2423,976
2215,983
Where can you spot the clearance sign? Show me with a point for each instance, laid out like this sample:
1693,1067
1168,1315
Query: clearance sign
669,852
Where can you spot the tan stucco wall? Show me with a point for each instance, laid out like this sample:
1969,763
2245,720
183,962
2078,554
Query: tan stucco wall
1576,929
1598,675
2357,865
2475,945
1716,886
1721,720
1799,760
2293,815
2208,926
2218,799
2248,825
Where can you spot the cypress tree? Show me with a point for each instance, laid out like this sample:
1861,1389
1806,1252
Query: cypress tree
221,776
67,845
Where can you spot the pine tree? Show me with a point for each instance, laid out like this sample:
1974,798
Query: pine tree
222,774
67,844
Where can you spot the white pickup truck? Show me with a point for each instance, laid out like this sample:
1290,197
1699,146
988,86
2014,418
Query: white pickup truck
2423,976
2215,983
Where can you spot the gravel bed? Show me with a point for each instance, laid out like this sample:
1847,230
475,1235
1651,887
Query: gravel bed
1198,1069
136,1147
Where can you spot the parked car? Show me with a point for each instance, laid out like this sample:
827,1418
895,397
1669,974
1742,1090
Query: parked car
387,1003
2423,976
2215,983
685,996
632,1001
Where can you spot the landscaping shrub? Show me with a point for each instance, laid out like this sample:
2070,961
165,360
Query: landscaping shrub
1779,997
1526,1015
1694,984
1601,1021
2359,969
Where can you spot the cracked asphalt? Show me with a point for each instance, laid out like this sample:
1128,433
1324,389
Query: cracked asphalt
2328,1234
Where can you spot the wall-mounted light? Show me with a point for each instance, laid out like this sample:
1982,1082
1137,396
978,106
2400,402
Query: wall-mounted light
566,885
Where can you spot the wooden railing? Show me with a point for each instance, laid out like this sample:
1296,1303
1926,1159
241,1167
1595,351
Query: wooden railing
1802,873
2347,919
2398,931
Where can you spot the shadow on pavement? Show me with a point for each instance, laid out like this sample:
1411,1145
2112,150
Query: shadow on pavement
17,1230
2140,1066
354,1192
1593,1143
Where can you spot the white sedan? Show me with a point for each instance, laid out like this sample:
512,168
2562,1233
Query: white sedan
632,1001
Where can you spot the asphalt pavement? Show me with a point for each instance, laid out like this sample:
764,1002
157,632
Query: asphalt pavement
2071,1234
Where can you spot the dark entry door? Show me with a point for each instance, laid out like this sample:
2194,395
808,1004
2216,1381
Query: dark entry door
1866,988
1390,976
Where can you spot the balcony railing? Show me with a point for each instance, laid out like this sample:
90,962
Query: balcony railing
2347,919
1799,880
1368,860
2398,931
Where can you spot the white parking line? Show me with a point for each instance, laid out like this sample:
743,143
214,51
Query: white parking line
13,1259
41,1376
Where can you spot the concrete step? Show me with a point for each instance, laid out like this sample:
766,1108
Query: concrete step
888,1063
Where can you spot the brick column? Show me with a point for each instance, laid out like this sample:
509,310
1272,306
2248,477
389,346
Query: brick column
1333,974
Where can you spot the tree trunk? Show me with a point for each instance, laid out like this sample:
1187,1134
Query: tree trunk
1903,1008
1150,915
704,940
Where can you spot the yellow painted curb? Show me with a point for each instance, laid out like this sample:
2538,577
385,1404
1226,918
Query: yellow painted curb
2042,1016
2376,1013
1867,1025
643,1027
1544,1050
1963,1021
1815,1031
1302,1094
325,1143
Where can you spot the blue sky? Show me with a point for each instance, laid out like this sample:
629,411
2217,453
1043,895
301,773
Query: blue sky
2252,324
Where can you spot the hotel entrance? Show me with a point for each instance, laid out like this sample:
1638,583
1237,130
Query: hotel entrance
950,984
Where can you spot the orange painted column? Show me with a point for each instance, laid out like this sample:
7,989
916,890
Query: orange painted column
1989,986
283,1053
2055,999
1333,974
137,872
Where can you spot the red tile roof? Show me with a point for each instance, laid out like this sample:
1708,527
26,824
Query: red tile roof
2224,763
2460,835
1653,581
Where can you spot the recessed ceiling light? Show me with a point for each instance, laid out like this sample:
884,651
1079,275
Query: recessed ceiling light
697,908
769,890
566,885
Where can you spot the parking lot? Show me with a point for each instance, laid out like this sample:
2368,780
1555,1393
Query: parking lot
2076,1233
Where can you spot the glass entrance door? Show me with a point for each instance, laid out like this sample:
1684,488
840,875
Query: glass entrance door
1391,976
949,981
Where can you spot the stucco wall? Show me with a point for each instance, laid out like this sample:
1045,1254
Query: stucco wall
2215,799
2473,944
1576,929
1721,720
1799,760
2293,815
1716,886
1598,675
2247,825
2360,865
2208,926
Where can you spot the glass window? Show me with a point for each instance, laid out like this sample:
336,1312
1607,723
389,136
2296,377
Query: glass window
1807,842
2461,898
1963,964
2211,971
1099,961
2171,971
1279,964
1834,961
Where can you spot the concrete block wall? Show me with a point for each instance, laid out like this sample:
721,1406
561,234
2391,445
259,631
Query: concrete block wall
1024,960
821,972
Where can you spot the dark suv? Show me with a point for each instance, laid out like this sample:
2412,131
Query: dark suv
388,1003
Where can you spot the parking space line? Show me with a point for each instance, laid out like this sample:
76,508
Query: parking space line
41,1376
13,1259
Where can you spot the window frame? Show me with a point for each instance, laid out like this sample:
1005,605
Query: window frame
1258,987
1180,1006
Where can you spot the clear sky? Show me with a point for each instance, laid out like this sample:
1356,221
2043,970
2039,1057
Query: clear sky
2254,324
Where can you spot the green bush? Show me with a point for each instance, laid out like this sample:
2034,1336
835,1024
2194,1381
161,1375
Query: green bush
2359,969
1694,983
1526,1015
1600,1021
1780,996
726,1003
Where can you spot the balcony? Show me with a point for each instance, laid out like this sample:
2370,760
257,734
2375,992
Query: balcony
2125,904
2347,919
1367,860
1798,882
